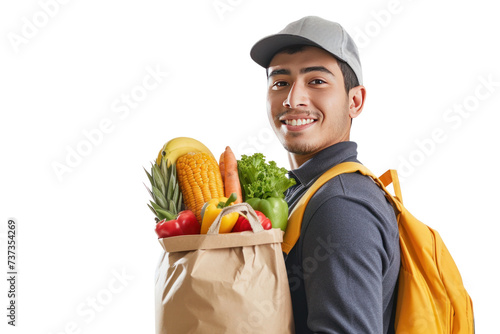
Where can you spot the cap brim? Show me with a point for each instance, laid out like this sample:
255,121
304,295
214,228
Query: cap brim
264,50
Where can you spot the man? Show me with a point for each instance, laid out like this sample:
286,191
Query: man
314,91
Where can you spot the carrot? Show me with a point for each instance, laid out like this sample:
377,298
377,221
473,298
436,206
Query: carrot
232,180
222,167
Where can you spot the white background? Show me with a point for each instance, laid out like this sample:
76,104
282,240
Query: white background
67,73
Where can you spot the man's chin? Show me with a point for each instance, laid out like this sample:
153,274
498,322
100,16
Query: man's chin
299,148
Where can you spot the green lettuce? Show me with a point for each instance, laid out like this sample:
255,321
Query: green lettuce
260,179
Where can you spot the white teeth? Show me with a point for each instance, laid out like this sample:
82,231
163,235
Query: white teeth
302,121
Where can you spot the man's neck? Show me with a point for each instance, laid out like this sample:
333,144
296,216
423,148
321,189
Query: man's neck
297,160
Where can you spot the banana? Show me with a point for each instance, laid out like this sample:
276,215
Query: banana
179,146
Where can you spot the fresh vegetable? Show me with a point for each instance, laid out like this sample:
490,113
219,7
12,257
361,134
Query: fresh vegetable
165,191
211,210
264,185
273,207
242,224
185,223
179,146
199,179
231,179
222,167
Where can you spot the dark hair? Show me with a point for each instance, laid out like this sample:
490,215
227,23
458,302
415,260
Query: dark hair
350,79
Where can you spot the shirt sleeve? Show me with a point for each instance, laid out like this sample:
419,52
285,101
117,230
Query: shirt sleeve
343,260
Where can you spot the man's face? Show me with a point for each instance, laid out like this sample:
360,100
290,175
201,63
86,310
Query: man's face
307,105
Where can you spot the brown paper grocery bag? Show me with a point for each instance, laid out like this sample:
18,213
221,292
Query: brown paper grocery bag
224,283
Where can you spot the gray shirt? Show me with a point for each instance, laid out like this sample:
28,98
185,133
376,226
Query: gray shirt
343,270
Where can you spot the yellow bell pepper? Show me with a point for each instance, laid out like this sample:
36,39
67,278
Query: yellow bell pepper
211,210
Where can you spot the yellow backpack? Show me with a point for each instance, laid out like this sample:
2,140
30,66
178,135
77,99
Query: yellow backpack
431,295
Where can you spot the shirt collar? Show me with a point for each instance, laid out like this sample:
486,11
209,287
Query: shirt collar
324,160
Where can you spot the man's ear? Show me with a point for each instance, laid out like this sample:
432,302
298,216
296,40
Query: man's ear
357,97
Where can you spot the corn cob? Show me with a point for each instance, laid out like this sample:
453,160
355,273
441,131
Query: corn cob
200,180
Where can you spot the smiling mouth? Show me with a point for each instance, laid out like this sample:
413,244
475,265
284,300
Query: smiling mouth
296,122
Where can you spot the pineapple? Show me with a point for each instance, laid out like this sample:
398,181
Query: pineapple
165,191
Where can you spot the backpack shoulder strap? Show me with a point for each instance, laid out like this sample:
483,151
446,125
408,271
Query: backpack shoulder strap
293,228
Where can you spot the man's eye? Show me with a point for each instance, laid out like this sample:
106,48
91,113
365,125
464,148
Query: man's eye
317,82
280,84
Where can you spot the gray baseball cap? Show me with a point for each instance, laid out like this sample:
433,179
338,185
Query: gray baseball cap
313,31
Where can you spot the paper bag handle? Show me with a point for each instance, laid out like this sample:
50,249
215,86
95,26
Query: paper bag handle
242,208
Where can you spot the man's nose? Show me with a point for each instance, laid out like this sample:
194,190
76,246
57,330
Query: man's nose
297,97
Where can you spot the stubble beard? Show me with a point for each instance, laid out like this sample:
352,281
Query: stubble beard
304,147
300,148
